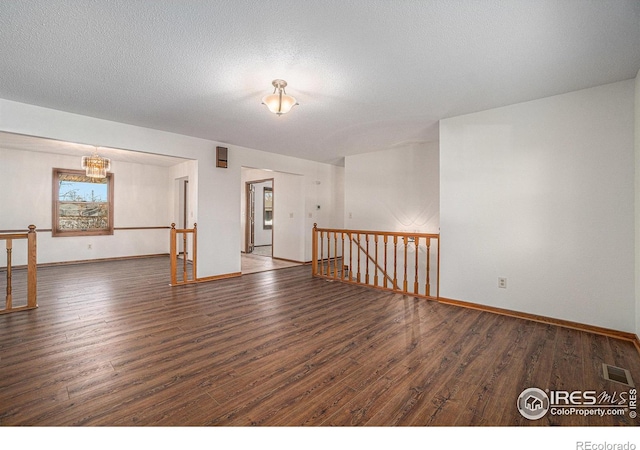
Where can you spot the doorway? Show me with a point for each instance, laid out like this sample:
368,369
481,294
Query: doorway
271,230
259,223
183,212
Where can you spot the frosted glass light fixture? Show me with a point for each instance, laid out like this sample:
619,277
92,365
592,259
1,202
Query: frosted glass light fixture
279,102
96,166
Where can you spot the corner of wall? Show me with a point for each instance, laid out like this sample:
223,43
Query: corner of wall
637,197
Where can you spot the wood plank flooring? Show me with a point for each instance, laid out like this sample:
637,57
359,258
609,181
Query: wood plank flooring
112,344
252,263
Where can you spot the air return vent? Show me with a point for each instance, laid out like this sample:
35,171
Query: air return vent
617,374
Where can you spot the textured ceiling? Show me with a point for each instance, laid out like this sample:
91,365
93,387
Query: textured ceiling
368,74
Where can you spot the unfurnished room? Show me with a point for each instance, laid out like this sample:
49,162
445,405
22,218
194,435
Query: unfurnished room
367,214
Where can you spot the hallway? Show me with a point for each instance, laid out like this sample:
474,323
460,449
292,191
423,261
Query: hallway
252,263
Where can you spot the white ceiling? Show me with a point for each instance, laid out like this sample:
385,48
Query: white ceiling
368,74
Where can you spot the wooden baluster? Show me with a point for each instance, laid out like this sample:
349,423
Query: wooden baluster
385,240
366,276
358,247
194,250
395,262
427,288
350,256
32,264
314,250
406,244
335,255
342,261
415,281
328,271
351,270
329,253
174,255
375,277
321,252
185,277
8,298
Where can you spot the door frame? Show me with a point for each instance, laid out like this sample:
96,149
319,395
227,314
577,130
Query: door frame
182,208
249,205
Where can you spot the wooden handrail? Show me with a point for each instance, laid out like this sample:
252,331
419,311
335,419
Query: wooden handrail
43,230
398,276
32,277
382,233
173,254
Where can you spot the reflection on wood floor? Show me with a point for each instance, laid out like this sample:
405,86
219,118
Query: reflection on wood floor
255,263
112,345
263,250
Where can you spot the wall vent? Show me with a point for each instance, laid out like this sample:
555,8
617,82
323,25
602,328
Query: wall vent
617,374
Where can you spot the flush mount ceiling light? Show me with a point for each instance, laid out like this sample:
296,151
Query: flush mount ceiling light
279,102
96,166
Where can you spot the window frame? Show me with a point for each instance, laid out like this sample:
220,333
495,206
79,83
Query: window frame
267,192
55,230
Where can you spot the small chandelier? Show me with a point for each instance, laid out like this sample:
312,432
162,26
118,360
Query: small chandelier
279,102
96,166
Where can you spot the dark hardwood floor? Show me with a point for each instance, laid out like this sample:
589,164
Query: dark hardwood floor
112,344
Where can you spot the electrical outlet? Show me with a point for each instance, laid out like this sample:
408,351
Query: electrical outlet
89,246
502,283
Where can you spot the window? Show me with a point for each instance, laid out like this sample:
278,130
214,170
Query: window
268,208
82,206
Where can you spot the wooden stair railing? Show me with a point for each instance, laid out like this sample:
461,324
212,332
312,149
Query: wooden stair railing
173,254
405,262
32,277
374,260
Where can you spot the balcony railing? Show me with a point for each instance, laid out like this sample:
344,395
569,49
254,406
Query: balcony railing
179,239
31,282
407,263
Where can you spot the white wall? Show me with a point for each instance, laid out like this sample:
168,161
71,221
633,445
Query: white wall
261,236
141,199
187,170
542,193
637,192
289,231
394,190
217,211
179,173
216,236
299,186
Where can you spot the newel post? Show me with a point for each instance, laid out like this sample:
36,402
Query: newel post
172,255
32,264
194,251
9,297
